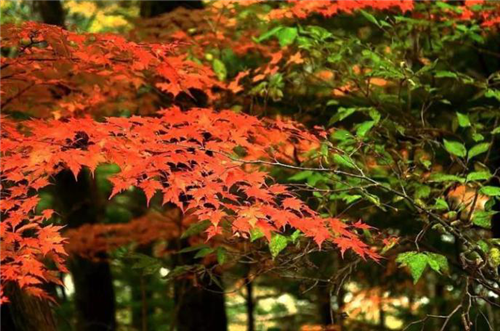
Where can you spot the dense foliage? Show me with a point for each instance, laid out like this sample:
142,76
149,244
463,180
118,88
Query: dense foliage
299,139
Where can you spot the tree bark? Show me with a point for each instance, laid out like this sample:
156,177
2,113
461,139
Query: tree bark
51,11
94,293
141,292
25,312
250,306
324,306
155,8
200,307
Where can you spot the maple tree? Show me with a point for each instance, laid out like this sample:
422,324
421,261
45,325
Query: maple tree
405,92
185,155
174,154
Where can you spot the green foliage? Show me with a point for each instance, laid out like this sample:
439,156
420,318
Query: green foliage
492,191
463,120
194,248
221,255
344,160
285,35
195,229
483,219
417,262
255,234
455,148
148,265
410,117
219,69
478,149
277,244
478,175
204,252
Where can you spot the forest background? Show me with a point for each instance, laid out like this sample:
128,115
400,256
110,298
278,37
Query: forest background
250,165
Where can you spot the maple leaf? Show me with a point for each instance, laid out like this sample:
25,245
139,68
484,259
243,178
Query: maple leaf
3,298
10,272
38,292
276,57
216,217
33,267
27,227
362,226
39,183
243,224
213,231
343,243
320,236
292,203
143,59
258,78
120,184
93,158
29,204
278,189
266,228
338,227
28,280
150,187
72,164
296,59
234,86
359,247
258,193
47,213
50,239
172,195
250,215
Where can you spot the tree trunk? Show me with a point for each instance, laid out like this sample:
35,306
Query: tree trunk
250,306
25,312
51,11
199,307
330,304
94,294
324,306
141,293
155,8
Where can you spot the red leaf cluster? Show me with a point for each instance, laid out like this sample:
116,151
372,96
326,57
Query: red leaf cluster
60,73
208,163
303,9
189,157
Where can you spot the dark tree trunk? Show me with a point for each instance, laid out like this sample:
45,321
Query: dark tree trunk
154,8
141,293
199,307
94,294
330,304
250,306
52,12
324,307
25,312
